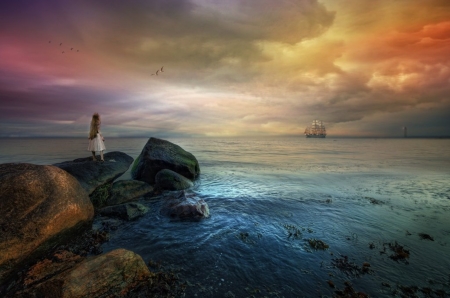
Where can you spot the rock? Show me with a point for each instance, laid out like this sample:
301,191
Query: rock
169,180
127,190
92,174
159,154
39,207
182,206
60,261
128,211
112,274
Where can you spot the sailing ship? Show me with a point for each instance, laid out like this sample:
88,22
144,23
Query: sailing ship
316,130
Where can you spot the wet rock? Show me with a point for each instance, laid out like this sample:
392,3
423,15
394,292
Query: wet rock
100,195
160,154
127,190
113,274
128,211
92,174
40,206
169,180
182,206
49,267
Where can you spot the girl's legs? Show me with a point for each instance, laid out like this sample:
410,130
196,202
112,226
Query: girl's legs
101,156
93,156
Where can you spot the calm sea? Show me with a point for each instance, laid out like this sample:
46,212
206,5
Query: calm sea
359,196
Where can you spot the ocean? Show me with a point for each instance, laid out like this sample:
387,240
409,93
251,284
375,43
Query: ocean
293,217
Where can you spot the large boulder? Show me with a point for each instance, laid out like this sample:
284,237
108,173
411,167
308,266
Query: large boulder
92,174
169,180
127,190
39,207
113,274
160,154
180,205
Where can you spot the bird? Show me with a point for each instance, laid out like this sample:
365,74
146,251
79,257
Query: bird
49,41
78,50
153,74
162,68
157,72
63,52
71,49
60,44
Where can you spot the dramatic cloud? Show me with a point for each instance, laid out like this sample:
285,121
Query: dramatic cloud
238,67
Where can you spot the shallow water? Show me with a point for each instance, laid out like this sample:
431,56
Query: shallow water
349,193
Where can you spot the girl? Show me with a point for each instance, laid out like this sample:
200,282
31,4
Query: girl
95,138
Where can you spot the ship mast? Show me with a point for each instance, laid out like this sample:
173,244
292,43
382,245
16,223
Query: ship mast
316,130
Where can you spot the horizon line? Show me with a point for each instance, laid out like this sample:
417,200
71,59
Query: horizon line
237,136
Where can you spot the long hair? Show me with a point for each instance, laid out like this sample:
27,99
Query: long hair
95,125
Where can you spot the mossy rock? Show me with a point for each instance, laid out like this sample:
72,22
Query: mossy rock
127,190
127,211
169,180
160,154
99,196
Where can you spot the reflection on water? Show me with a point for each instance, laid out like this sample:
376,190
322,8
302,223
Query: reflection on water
356,195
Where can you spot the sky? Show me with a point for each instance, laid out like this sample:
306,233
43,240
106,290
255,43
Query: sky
231,68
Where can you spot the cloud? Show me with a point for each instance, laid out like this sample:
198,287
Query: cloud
236,67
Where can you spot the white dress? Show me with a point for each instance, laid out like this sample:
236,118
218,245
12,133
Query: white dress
96,144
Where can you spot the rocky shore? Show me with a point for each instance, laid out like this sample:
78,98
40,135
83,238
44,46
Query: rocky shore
48,246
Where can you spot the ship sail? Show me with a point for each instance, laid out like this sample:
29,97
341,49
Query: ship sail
316,130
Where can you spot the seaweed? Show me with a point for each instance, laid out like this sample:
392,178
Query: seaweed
426,237
349,292
245,237
317,244
414,291
293,231
399,252
350,268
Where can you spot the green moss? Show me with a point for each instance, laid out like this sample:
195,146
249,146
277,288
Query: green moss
101,195
135,164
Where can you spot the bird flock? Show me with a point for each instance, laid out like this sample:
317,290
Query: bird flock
72,50
158,71
63,51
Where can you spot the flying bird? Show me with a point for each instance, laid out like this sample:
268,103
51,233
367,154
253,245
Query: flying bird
63,52
158,71
71,49
49,41
78,50
60,44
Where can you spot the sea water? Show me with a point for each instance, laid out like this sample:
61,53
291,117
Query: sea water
269,196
